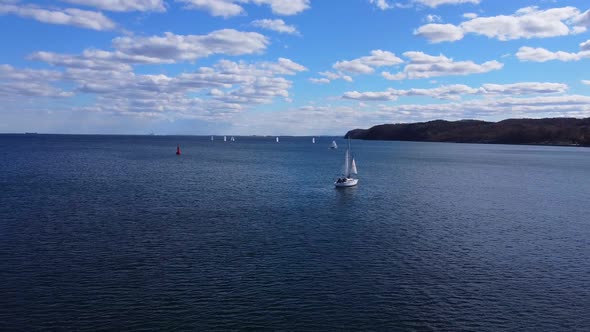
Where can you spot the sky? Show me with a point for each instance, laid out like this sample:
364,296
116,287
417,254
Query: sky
287,67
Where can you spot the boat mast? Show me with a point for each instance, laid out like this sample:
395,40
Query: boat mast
348,159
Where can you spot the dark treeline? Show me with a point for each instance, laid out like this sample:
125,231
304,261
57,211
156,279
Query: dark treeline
552,131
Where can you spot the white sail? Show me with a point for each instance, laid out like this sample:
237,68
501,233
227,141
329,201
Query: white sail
225,138
232,139
277,139
334,145
353,167
211,138
346,170
313,140
349,168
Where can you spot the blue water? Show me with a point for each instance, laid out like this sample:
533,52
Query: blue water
119,233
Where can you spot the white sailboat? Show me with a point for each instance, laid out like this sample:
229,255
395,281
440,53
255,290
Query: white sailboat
232,139
277,139
346,180
211,138
313,140
225,138
334,145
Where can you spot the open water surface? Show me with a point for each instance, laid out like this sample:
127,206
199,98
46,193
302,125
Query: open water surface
119,233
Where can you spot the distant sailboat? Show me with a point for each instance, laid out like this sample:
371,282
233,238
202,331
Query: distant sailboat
232,139
211,138
225,138
178,150
313,140
349,169
334,145
277,139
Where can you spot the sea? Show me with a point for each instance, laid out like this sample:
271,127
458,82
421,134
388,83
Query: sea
119,233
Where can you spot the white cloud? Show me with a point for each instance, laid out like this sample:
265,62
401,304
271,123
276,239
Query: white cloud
540,106
228,8
371,96
362,65
433,18
283,66
109,75
381,4
191,47
353,66
583,20
528,22
436,3
123,5
322,80
283,7
454,92
585,46
385,4
394,77
225,8
470,15
524,88
531,54
437,33
69,16
587,82
422,65
169,48
335,76
275,25
91,59
15,83
366,64
206,93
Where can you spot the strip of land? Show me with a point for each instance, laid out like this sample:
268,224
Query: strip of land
550,131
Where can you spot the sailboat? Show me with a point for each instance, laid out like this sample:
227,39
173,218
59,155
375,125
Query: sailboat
211,138
277,139
313,140
334,145
232,139
346,180
225,138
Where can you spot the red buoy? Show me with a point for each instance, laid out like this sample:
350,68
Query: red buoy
178,150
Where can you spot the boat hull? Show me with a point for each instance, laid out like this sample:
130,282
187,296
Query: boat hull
348,183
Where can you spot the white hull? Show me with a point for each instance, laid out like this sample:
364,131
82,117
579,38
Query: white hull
348,183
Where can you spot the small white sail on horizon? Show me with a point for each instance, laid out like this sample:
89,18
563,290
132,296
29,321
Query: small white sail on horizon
211,138
232,139
277,139
313,140
334,145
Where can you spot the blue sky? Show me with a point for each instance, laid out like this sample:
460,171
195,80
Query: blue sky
278,67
